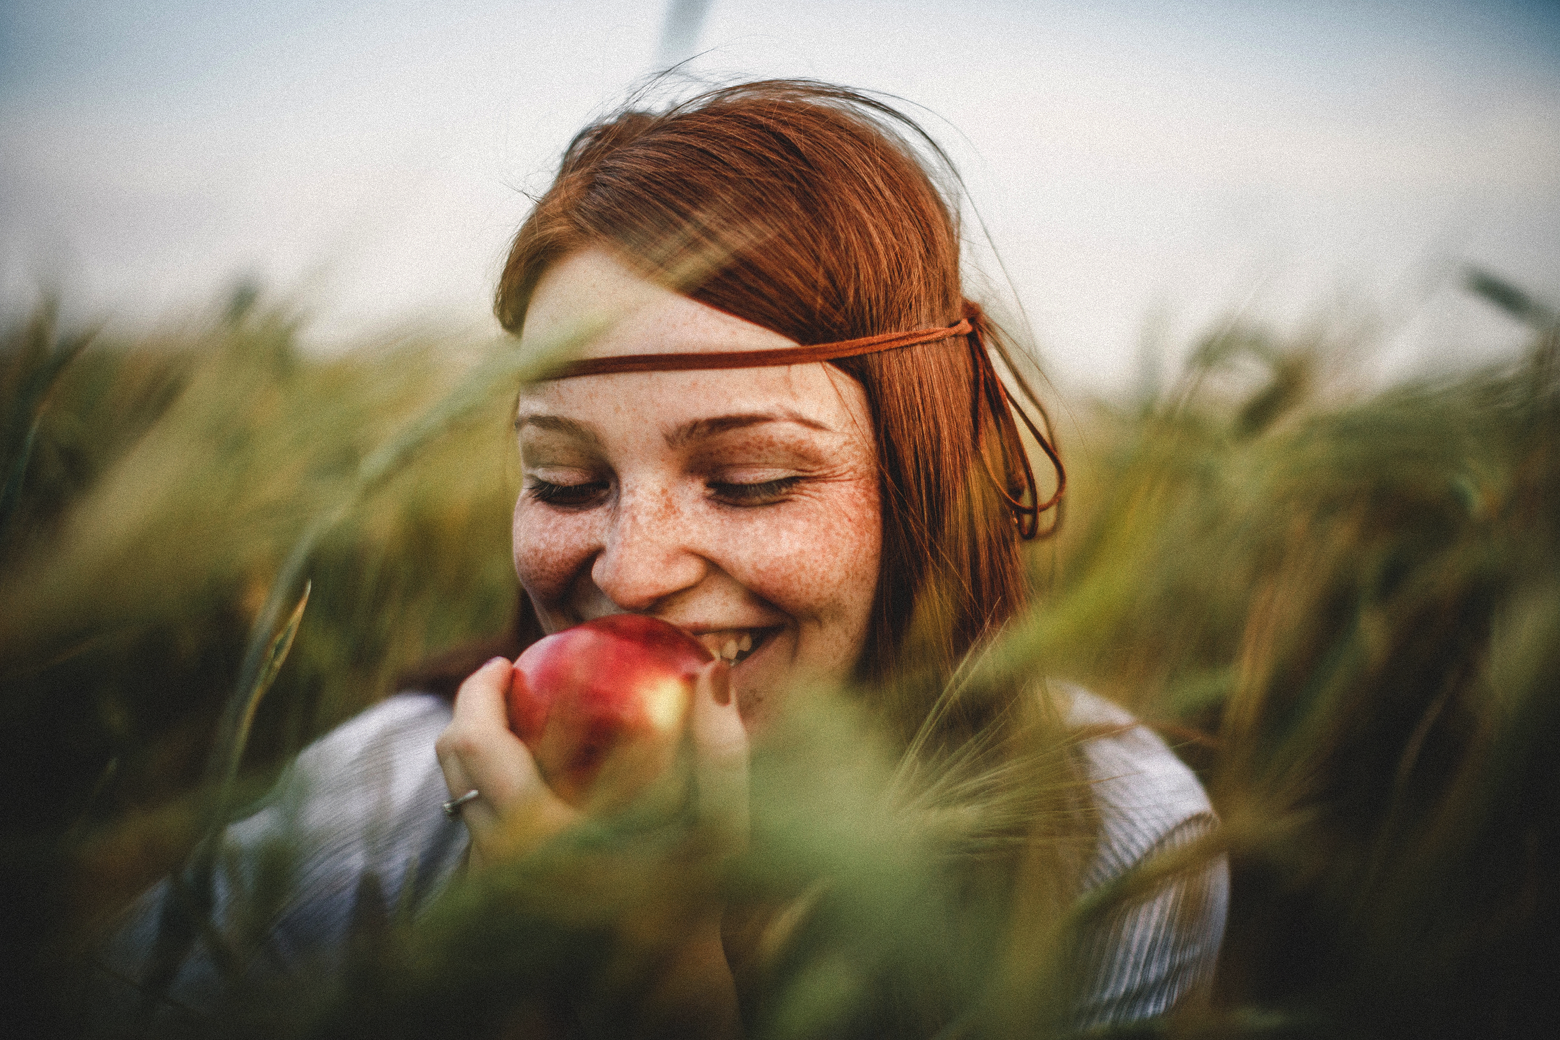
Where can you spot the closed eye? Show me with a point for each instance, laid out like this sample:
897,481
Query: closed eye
565,495
763,493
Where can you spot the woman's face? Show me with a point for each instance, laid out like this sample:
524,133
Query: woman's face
740,504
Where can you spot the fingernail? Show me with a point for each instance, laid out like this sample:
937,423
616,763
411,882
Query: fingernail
493,660
721,675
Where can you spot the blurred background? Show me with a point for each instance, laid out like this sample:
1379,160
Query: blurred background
1143,166
1294,268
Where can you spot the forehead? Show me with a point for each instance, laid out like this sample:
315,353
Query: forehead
595,299
813,400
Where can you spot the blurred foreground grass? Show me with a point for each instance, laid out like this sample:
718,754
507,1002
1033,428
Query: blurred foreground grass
1343,607
162,485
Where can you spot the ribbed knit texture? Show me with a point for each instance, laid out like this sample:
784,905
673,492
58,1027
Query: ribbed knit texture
1149,955
363,802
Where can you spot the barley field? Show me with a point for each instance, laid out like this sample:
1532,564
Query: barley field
1341,605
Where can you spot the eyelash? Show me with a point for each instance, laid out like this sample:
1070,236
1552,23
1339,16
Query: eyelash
766,492
566,495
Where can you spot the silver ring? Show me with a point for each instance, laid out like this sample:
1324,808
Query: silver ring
452,807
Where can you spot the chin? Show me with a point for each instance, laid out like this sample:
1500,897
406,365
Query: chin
763,682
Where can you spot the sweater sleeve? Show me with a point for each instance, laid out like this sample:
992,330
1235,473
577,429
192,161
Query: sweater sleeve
353,825
1149,954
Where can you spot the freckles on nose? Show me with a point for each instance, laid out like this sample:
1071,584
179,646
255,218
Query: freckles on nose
646,555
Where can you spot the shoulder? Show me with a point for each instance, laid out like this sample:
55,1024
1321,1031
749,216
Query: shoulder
1144,794
384,754
363,798
1152,951
358,815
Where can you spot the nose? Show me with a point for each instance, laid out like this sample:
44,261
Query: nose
647,555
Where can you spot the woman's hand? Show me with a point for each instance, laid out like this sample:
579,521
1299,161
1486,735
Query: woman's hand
514,811
720,748
697,995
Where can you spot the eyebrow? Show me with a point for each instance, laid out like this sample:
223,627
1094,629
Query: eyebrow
558,424
700,429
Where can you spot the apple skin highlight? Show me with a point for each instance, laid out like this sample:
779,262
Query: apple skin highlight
602,705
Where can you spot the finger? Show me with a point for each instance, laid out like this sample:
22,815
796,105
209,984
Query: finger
481,699
720,754
718,732
478,752
514,811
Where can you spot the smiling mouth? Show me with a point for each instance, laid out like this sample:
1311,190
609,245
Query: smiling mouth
735,645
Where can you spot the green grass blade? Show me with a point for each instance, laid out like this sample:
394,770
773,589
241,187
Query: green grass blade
275,657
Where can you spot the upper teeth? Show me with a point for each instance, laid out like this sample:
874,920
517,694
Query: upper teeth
728,646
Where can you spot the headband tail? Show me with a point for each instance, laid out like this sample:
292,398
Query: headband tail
993,394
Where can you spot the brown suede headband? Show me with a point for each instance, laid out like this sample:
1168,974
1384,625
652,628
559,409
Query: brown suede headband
759,358
990,392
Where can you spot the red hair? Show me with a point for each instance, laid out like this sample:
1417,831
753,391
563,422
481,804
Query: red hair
804,208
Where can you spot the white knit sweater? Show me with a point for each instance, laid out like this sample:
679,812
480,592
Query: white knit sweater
365,799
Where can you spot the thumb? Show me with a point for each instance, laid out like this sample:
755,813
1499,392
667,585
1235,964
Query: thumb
720,745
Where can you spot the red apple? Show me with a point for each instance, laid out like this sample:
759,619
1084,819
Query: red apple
605,701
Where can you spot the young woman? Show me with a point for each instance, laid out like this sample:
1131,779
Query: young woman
787,435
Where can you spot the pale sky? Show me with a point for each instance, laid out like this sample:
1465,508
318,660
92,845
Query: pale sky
1139,163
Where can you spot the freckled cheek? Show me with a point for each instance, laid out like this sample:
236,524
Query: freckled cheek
821,567
549,550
